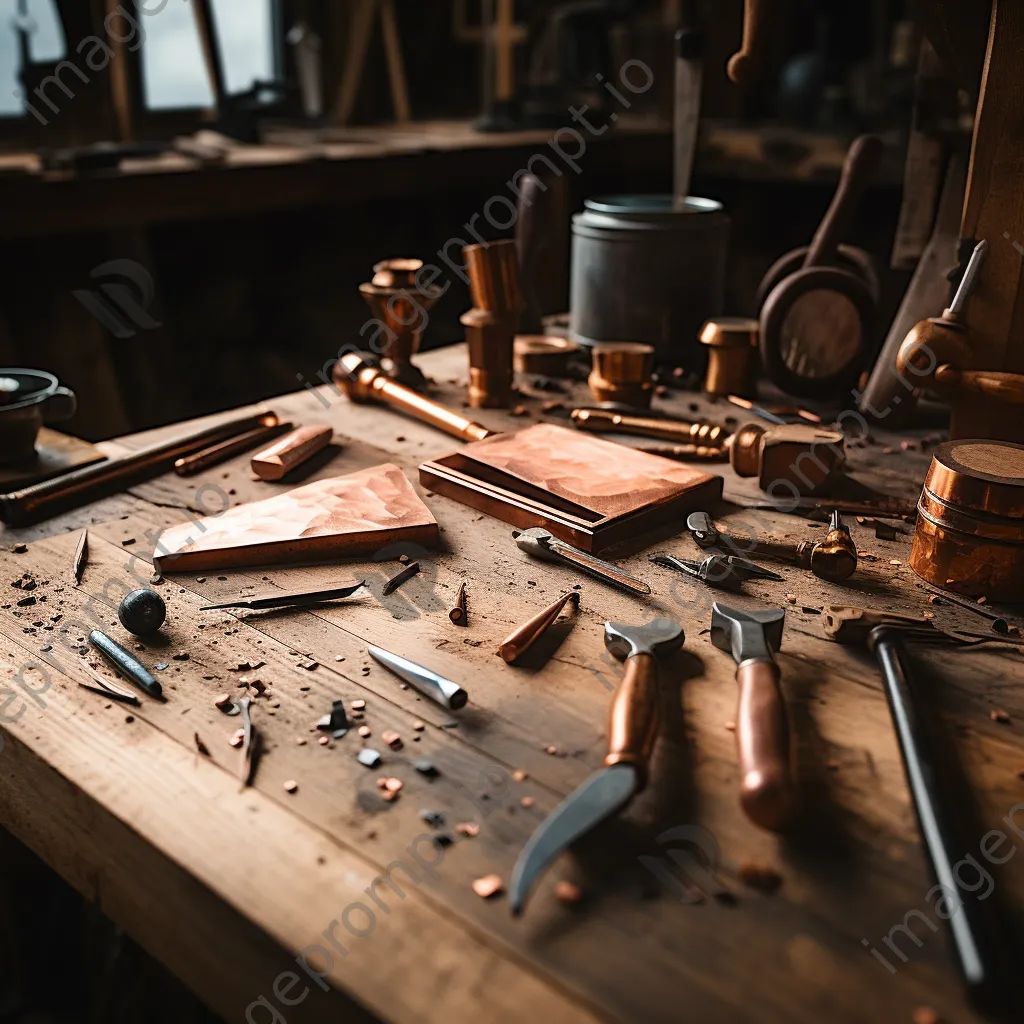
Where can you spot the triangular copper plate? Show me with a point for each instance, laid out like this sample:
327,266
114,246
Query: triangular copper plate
343,517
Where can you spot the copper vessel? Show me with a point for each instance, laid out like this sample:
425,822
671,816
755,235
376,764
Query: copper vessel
400,306
970,524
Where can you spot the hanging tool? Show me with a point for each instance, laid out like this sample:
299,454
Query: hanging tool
686,121
523,637
458,613
832,558
430,684
541,544
632,729
126,664
299,599
768,791
727,571
363,381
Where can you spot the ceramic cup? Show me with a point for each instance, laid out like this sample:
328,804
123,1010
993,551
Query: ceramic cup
28,399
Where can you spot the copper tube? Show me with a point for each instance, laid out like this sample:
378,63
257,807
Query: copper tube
494,284
70,490
523,637
733,360
603,420
365,383
224,450
489,339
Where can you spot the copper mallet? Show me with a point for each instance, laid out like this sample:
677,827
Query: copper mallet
364,382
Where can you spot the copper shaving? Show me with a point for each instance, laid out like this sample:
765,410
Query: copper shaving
488,886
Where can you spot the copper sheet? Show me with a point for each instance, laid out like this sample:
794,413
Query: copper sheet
343,516
608,478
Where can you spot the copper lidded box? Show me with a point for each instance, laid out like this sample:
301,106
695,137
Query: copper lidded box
970,523
587,491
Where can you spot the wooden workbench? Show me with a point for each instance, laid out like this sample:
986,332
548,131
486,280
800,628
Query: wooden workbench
227,887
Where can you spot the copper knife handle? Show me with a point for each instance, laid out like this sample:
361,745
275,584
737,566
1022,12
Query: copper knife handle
768,791
634,715
598,567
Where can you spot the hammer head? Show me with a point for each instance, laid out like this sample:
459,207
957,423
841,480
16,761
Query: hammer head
657,637
702,526
354,374
747,635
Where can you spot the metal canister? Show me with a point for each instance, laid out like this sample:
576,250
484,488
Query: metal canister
969,536
643,271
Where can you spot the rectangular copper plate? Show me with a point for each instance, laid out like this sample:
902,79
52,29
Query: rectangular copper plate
591,492
341,517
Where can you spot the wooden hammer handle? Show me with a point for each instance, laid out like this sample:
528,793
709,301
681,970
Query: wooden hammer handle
1003,387
635,713
767,788
860,165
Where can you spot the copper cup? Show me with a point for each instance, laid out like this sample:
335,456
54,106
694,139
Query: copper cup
622,373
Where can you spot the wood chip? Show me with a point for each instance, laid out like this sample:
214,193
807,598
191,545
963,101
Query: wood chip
760,876
200,745
290,786
358,705
392,739
731,726
364,731
488,886
567,892
791,598
324,740
999,715
393,785
551,750
519,775
237,738
526,801
468,828
418,726
223,701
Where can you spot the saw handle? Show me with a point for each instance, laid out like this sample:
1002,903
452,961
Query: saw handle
634,714
768,791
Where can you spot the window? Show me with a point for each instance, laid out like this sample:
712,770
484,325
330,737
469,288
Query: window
41,24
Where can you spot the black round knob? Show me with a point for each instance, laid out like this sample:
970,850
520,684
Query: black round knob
142,612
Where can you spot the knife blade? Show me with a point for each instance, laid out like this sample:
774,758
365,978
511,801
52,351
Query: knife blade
605,793
298,599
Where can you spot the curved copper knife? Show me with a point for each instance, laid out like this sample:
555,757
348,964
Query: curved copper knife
632,729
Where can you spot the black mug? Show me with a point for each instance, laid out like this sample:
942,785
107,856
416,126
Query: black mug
28,399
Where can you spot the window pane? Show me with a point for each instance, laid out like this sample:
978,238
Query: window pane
46,43
245,28
173,73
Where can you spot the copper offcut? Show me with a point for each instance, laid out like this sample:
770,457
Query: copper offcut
545,354
622,372
290,451
523,637
224,450
969,537
399,302
364,382
458,613
402,576
681,431
733,359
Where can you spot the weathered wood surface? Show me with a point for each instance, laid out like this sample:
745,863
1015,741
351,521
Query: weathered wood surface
228,887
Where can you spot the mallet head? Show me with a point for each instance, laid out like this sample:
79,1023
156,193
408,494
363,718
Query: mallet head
658,637
747,635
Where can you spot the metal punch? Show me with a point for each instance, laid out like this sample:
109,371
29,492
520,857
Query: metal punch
541,544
